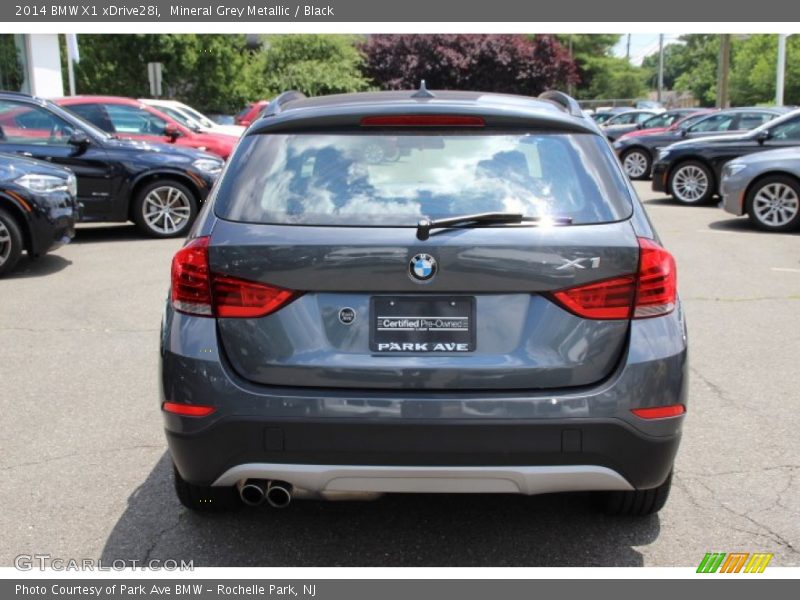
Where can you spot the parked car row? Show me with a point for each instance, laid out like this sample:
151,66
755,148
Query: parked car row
704,154
58,167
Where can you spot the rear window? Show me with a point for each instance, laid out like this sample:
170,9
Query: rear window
395,180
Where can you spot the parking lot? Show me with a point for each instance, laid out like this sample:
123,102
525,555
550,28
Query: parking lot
84,471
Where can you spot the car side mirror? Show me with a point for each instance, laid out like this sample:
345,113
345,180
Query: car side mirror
79,139
172,131
763,136
684,132
639,126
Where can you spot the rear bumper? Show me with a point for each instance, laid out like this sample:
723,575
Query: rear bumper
324,429
323,480
604,450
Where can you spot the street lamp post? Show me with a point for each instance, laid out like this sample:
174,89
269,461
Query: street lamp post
779,83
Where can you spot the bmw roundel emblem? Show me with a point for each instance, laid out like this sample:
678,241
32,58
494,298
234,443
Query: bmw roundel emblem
422,267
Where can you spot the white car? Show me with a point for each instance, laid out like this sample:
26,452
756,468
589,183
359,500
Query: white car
188,116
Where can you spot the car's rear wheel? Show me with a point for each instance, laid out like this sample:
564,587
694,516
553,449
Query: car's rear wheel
164,209
11,242
773,204
205,498
637,163
637,503
691,183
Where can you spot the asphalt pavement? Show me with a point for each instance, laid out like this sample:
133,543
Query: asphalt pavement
84,471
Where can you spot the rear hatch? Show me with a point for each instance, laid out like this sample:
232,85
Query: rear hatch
375,303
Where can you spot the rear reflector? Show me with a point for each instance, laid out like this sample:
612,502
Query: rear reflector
188,410
660,412
198,291
651,292
422,121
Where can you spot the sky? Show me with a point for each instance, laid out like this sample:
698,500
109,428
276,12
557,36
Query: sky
642,44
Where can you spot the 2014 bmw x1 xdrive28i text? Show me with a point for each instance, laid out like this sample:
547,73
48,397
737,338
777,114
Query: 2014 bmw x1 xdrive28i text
423,292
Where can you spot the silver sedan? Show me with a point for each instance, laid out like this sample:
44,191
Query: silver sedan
766,187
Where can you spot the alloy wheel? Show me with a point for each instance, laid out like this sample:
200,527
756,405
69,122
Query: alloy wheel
635,164
5,243
166,210
776,204
690,184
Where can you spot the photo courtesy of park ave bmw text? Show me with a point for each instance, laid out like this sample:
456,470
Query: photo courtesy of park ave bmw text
423,299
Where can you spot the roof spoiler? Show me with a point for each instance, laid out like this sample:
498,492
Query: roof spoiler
567,102
276,104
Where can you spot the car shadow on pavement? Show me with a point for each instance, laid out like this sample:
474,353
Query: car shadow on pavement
396,530
743,225
90,234
667,201
38,267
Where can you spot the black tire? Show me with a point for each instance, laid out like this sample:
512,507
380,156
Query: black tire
637,503
205,498
674,185
11,242
646,157
188,207
789,191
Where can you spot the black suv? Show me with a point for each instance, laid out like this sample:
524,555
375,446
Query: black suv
37,208
157,186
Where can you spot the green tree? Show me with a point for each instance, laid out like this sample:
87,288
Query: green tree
314,64
696,61
211,72
602,75
11,74
755,60
675,63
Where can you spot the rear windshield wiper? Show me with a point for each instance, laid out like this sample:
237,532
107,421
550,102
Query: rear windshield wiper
425,226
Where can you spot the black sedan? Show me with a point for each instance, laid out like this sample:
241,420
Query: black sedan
38,208
637,152
690,171
158,186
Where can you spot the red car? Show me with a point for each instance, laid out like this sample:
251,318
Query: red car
128,118
683,121
250,113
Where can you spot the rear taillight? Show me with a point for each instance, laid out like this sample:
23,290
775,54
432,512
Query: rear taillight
423,121
650,293
657,289
610,299
198,291
191,289
235,297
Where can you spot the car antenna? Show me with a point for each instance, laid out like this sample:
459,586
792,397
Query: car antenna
423,92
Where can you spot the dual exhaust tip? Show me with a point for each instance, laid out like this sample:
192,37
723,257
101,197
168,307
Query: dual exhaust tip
254,492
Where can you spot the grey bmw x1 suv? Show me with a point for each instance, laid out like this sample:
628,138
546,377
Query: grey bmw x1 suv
423,292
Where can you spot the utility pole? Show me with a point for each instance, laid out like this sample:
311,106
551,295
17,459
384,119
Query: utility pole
723,70
628,48
660,65
779,83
